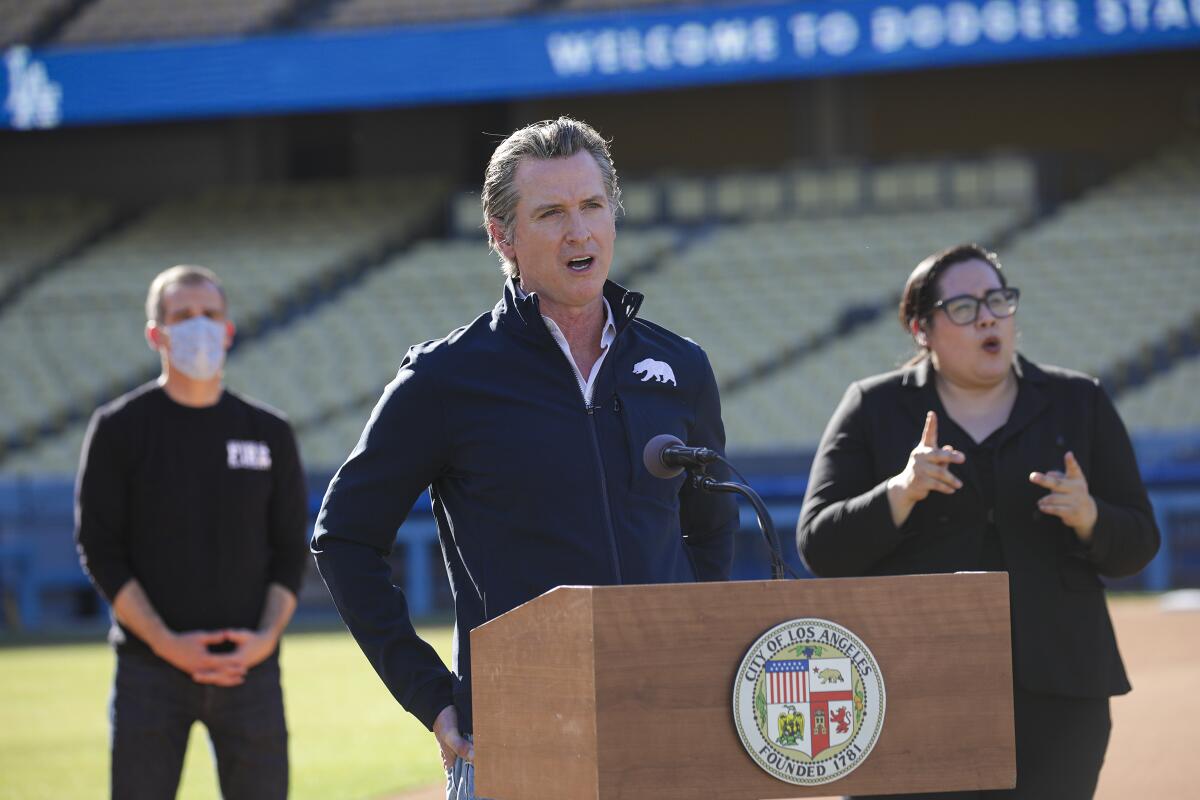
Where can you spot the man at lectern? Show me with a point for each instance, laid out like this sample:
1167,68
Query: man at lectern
527,426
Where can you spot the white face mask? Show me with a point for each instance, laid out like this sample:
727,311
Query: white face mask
197,347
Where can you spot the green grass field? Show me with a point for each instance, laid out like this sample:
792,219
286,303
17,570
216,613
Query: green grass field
349,738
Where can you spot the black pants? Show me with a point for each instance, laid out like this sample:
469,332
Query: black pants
153,708
1060,748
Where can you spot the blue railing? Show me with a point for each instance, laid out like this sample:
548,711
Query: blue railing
38,559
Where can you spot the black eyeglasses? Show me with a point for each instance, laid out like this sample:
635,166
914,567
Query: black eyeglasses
963,309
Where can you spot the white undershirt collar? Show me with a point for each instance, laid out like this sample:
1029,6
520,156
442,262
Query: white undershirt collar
606,338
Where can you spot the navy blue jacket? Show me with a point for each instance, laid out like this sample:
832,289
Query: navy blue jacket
532,488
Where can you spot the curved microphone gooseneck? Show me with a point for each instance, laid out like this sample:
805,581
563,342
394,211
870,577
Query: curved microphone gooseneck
665,456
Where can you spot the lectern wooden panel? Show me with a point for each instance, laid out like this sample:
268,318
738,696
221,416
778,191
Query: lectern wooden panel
625,692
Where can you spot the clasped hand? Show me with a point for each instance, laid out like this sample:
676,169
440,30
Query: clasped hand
190,653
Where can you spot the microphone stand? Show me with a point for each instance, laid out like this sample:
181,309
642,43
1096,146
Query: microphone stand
708,483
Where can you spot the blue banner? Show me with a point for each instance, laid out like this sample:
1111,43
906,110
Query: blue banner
566,54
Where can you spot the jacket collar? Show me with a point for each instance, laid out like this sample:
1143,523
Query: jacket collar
522,316
919,380
1031,397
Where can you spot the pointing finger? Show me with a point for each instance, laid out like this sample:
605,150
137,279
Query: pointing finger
1053,480
939,457
941,479
943,486
930,433
1058,508
956,456
1074,471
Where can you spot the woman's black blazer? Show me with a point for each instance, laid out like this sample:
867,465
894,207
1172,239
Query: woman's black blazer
1063,639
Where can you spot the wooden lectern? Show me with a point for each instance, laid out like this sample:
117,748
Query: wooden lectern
626,691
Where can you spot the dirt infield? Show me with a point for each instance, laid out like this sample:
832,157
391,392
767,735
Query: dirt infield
1152,752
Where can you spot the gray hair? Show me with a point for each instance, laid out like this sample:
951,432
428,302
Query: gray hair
183,274
558,138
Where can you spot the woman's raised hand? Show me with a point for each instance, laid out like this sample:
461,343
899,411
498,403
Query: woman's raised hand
927,470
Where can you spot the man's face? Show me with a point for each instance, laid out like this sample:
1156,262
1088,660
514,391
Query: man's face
181,302
562,239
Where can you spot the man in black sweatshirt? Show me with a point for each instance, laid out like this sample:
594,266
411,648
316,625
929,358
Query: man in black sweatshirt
190,520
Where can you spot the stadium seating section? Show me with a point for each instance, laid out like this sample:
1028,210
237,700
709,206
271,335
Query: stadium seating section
137,20
789,281
788,284
110,21
88,22
1113,270
76,333
37,231
21,19
365,13
596,5
1167,404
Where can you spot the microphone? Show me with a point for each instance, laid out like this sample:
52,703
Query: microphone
665,456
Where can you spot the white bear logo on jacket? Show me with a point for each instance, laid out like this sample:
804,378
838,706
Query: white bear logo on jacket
657,370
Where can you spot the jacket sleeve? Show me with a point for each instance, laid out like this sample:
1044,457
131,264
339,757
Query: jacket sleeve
100,508
708,520
845,523
288,513
1126,536
399,454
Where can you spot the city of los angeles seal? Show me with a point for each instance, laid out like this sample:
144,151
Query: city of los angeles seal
809,701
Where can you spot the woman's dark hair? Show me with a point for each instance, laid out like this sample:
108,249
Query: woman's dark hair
921,290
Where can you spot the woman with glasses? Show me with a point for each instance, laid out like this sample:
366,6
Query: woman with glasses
970,457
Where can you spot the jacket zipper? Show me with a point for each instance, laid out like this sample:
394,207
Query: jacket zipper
614,551
591,412
608,523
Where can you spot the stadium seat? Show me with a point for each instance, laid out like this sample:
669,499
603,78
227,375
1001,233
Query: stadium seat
642,202
1165,404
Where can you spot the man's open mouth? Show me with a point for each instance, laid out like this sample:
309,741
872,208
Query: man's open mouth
580,263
